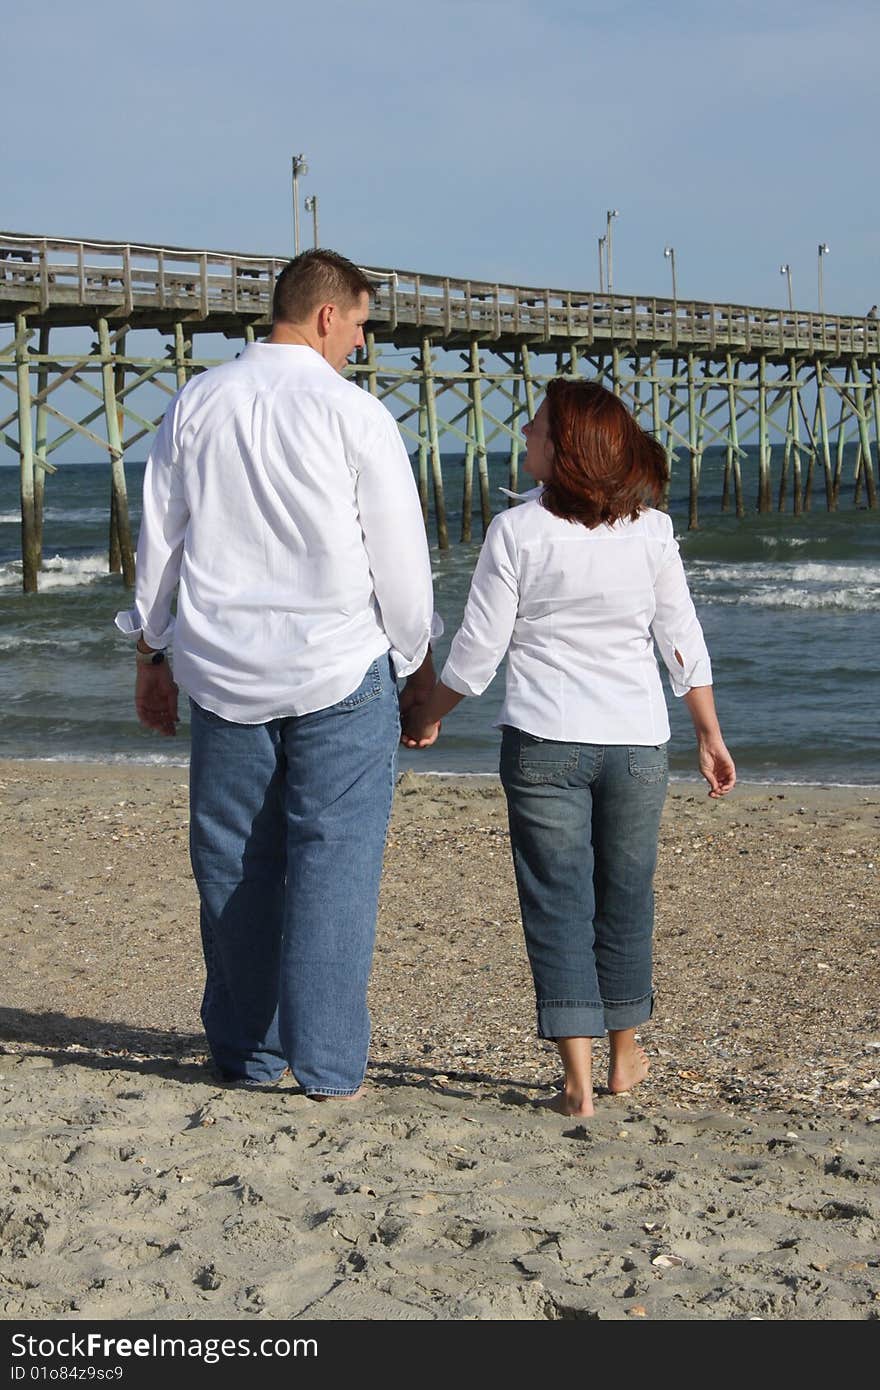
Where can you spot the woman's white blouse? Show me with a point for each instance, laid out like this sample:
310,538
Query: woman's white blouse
578,612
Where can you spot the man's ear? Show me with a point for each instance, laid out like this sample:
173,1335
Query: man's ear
326,314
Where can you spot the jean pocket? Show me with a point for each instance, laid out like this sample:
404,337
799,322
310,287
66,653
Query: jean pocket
649,762
544,759
369,688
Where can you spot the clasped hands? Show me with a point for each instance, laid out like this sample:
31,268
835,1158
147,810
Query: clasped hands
424,702
418,731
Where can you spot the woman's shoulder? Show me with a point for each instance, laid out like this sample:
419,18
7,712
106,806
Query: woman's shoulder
524,516
653,523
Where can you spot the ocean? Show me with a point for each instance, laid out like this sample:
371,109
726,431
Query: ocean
790,607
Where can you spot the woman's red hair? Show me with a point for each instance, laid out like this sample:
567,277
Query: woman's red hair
605,466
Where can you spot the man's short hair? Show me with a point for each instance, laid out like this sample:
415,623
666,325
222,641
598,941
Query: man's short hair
314,278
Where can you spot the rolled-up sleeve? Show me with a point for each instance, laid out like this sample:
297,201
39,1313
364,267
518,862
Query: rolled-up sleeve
676,627
160,542
396,546
489,617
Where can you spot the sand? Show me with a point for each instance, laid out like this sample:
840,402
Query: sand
739,1182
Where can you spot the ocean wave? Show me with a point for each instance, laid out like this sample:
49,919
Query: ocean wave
865,600
61,572
141,759
809,572
19,641
792,542
61,514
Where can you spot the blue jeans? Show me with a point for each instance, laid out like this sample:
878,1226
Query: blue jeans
584,820
288,821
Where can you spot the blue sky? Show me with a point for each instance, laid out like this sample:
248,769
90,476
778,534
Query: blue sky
482,139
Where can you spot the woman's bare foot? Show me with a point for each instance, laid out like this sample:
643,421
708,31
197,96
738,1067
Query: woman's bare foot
576,1096
566,1103
629,1066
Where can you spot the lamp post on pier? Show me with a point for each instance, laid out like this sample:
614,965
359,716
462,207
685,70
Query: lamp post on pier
609,255
601,265
669,253
786,271
300,168
312,207
824,249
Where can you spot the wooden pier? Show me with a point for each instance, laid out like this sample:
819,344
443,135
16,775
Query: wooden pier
461,363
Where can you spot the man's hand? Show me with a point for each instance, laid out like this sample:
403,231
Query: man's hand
418,687
155,699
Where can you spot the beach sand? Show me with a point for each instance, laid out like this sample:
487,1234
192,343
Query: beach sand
740,1181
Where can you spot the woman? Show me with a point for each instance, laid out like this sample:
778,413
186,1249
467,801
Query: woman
574,584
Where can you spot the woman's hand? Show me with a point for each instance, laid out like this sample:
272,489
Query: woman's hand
419,732
716,765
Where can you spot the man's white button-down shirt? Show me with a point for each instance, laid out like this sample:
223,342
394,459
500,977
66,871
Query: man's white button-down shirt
280,498
579,611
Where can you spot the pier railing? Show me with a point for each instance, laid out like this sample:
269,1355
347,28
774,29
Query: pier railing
66,281
461,364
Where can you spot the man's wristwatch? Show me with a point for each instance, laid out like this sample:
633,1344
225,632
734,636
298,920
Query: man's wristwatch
149,658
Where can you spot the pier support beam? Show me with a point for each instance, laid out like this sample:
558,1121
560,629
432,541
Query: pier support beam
732,467
765,500
434,434
515,441
476,386
41,444
372,366
867,471
795,432
841,436
30,561
694,490
875,397
115,546
114,444
830,498
423,448
467,484
182,354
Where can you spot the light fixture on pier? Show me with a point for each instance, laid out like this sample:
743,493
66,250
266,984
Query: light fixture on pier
312,207
609,257
669,253
786,271
300,169
824,249
601,265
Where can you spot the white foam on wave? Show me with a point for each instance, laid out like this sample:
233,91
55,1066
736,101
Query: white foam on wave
758,572
141,759
63,514
17,641
794,542
865,600
61,572
75,514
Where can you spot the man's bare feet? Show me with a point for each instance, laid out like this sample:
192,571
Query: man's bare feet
566,1104
355,1095
628,1067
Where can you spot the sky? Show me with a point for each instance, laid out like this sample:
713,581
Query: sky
482,138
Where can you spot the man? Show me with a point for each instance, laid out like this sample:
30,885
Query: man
280,498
